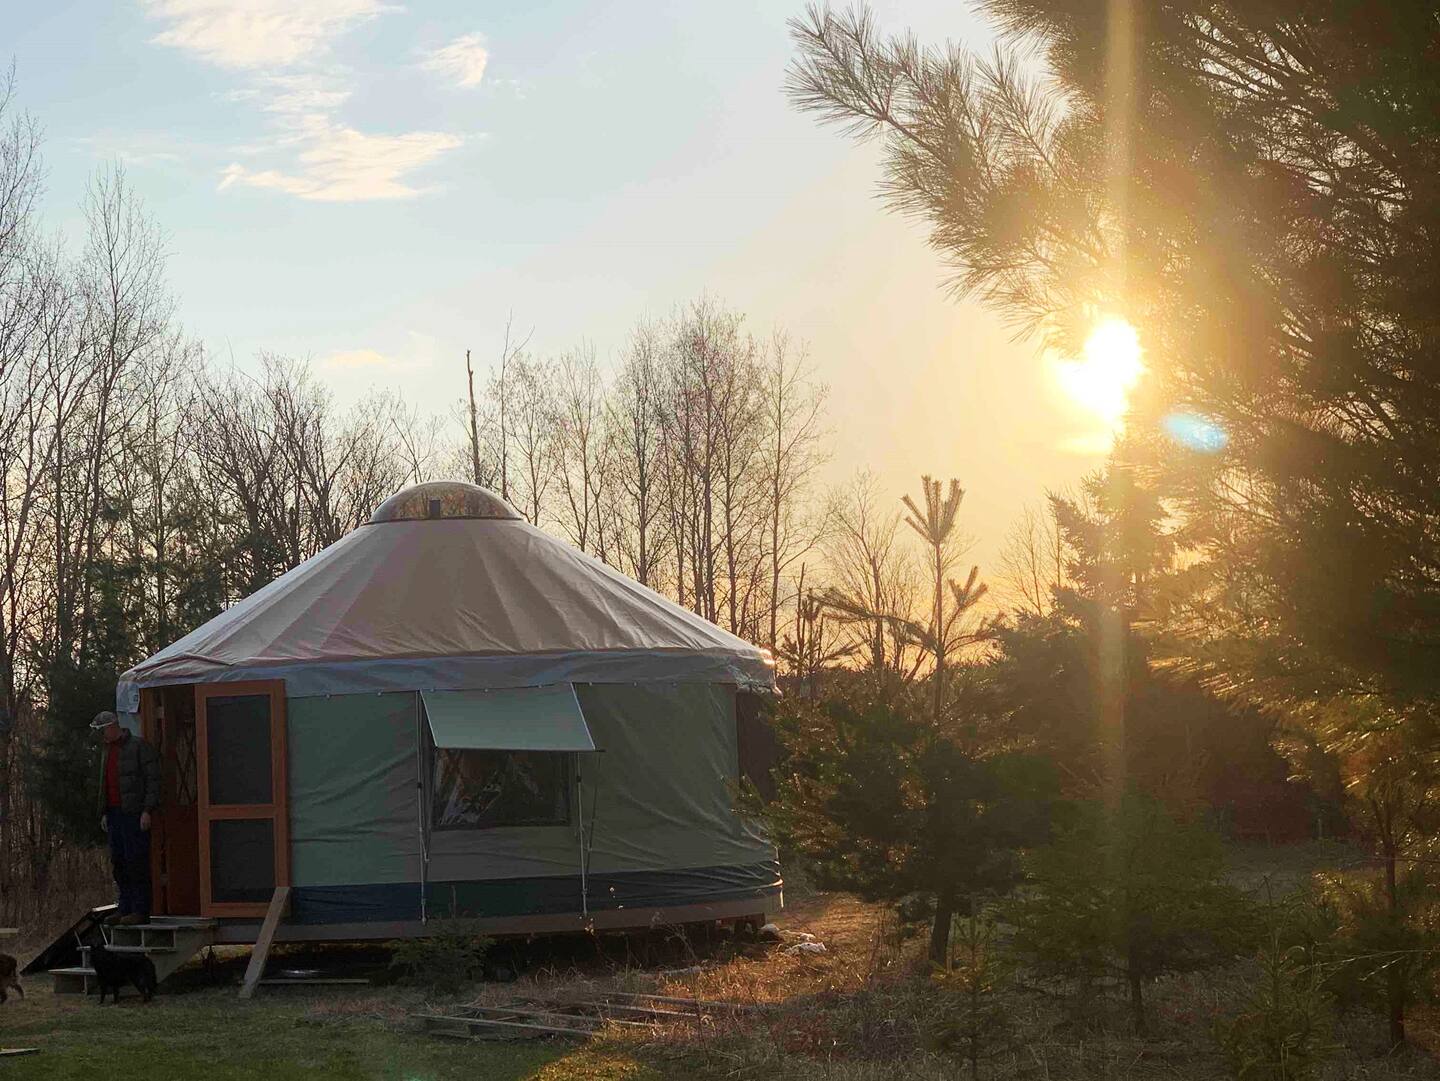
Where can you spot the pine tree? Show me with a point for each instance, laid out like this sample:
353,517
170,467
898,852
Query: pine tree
976,1015
1250,186
1127,891
880,802
1284,1031
1386,923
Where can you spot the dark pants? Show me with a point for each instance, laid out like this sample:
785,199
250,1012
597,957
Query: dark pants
130,860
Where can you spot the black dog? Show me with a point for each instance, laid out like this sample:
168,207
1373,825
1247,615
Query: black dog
112,970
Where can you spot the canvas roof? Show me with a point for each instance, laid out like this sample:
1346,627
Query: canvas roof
451,604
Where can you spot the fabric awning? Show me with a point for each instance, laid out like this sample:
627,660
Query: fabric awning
511,719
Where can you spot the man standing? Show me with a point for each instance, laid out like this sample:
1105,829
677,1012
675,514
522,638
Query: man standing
129,793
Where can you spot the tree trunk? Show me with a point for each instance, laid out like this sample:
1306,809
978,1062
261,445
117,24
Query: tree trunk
940,930
474,424
1395,993
939,635
1395,976
1137,1002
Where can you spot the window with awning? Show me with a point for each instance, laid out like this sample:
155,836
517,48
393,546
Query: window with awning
512,719
503,757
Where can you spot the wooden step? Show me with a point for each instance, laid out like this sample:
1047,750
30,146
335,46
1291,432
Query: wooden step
166,923
167,941
143,930
74,980
182,921
140,949
138,934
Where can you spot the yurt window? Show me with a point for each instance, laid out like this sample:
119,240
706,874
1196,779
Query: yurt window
504,757
759,750
486,789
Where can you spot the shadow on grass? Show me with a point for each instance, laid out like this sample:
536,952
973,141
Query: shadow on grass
212,1035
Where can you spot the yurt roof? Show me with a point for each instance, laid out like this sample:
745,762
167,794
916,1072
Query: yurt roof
447,588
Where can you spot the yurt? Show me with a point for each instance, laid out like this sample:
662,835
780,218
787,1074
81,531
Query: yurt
450,713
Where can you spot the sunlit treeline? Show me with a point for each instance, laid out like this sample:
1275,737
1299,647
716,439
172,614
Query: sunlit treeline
689,464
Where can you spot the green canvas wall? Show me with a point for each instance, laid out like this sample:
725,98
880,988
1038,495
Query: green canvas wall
352,789
657,795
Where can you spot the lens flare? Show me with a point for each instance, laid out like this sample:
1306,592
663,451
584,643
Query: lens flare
1196,432
1110,365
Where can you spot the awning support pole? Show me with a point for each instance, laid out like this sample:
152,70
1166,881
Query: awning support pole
580,802
420,802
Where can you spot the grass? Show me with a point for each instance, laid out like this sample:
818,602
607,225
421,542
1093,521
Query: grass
211,1034
857,1012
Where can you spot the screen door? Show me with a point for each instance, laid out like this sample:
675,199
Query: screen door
244,819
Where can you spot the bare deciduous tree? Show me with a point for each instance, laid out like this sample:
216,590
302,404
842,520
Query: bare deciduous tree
874,583
635,437
528,438
1032,562
582,456
793,406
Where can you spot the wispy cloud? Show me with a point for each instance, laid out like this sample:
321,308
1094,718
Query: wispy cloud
357,358
299,94
341,165
282,46
462,61
416,353
255,34
133,148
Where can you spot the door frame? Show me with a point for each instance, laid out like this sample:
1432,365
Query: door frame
160,726
277,811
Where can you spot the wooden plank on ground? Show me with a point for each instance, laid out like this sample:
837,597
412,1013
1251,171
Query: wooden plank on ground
518,1027
278,900
656,1012
691,1004
539,1013
573,1016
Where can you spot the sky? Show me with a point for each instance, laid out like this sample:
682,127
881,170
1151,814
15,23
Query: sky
378,186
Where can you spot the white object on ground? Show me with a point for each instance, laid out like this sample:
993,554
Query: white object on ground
806,947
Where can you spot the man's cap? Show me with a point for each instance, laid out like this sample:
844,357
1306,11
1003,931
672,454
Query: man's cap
104,719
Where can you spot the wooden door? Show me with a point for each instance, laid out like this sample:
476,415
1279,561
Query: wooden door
168,720
243,796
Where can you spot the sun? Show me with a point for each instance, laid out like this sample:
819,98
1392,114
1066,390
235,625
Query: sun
1110,365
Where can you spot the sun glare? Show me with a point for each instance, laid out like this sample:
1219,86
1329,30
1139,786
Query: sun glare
1100,382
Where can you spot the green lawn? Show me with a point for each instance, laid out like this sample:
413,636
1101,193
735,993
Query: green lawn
210,1034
